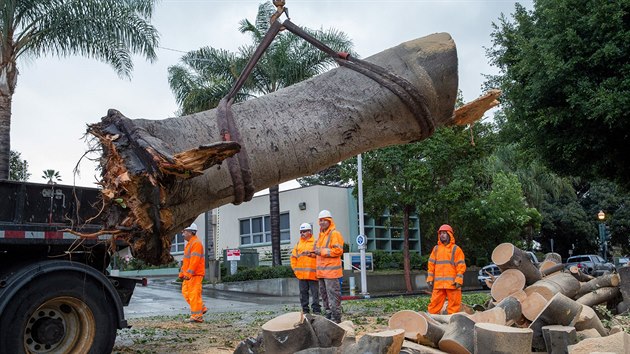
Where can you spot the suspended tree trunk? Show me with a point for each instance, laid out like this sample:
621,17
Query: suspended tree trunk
274,218
159,175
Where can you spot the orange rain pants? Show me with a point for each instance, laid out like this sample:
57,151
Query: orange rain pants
439,295
191,289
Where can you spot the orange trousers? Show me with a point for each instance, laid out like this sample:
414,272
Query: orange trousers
439,295
191,289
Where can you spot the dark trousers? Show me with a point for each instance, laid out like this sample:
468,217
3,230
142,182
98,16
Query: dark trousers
330,290
312,287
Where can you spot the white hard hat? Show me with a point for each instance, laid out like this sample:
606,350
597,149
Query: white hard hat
324,214
192,227
305,226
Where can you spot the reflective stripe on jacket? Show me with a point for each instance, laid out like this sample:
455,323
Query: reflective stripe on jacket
330,246
194,262
304,265
446,265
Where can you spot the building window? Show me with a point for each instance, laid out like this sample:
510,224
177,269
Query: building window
178,244
257,230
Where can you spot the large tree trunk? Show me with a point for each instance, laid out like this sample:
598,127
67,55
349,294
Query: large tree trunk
5,134
290,133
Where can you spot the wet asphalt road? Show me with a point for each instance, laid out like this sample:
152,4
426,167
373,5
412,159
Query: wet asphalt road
162,297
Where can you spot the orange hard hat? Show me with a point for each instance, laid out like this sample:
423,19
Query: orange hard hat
446,227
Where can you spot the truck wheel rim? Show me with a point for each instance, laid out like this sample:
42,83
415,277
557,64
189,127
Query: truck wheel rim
60,325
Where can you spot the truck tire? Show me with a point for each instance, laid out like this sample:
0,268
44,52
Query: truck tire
59,313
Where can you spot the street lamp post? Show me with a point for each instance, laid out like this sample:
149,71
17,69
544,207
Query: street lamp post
602,233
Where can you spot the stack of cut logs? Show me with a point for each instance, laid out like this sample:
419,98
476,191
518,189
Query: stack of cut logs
534,308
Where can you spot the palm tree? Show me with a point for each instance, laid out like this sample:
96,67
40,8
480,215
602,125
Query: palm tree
208,73
52,176
107,30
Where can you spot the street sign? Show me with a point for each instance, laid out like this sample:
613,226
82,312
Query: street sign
360,240
233,255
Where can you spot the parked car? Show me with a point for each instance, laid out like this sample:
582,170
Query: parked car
484,274
591,264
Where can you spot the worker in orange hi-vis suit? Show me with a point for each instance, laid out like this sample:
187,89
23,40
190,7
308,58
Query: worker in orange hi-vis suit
192,272
304,265
329,249
446,272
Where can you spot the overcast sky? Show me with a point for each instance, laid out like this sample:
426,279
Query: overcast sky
56,98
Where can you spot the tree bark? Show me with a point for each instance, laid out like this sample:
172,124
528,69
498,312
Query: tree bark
548,268
290,133
386,342
599,282
553,284
507,256
412,323
588,319
506,313
558,338
560,310
458,335
500,339
624,282
579,275
599,296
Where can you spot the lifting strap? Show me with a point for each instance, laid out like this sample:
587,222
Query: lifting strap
239,166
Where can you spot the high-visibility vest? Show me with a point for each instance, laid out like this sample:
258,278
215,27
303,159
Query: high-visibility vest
330,245
194,261
302,263
446,265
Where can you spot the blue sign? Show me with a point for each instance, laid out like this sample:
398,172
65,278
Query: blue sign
360,240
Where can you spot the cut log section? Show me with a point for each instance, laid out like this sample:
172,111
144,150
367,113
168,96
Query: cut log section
413,324
161,194
507,256
433,329
599,296
494,338
588,319
560,310
603,281
533,305
615,343
579,275
558,338
288,333
624,283
506,312
547,268
510,281
552,257
414,348
562,283
386,342
459,335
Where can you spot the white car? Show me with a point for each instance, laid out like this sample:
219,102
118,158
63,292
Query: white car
484,273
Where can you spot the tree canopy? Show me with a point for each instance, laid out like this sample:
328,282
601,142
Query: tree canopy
107,30
18,168
564,72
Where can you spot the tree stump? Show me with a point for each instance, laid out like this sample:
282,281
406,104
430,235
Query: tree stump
599,296
413,324
288,333
558,338
615,343
499,339
507,256
329,334
557,283
459,335
386,342
560,310
414,348
510,281
603,281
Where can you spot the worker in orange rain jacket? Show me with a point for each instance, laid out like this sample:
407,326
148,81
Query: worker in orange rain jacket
303,263
446,272
329,249
192,272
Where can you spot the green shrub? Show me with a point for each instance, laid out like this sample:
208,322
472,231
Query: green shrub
262,272
386,261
